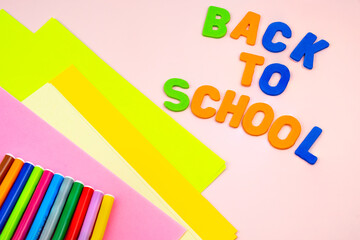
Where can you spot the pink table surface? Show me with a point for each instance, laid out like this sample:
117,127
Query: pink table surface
266,193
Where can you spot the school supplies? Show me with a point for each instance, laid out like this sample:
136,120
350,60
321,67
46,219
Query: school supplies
103,217
10,179
5,166
31,138
21,204
42,187
33,206
68,211
91,215
67,120
57,209
80,212
14,193
203,218
45,207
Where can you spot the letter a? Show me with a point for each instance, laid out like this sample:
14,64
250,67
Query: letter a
247,27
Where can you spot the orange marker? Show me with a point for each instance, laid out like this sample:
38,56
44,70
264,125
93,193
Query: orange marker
10,179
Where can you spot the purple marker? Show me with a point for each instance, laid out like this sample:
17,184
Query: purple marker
91,215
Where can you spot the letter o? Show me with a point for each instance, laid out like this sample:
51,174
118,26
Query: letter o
268,73
291,138
262,128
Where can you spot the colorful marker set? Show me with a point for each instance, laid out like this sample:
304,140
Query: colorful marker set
38,204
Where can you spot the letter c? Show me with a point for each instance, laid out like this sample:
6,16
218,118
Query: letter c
198,98
269,35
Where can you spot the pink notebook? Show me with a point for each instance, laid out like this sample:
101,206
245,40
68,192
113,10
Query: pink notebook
24,134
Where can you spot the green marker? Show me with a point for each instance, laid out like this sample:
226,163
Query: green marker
68,211
22,203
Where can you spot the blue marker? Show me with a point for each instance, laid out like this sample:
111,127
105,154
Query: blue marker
14,193
45,207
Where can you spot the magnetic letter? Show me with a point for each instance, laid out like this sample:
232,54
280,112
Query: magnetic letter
251,61
247,27
269,35
215,22
237,110
291,138
307,49
180,96
198,98
303,150
262,128
266,76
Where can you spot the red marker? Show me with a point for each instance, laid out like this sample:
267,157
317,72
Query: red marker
79,215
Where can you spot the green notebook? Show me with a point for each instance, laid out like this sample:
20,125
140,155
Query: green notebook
29,60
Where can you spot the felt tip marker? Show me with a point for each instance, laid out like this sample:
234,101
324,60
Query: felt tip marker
103,217
33,206
5,166
57,209
14,193
9,179
21,204
91,215
79,214
45,207
68,211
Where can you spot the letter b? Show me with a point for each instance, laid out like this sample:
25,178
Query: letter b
215,22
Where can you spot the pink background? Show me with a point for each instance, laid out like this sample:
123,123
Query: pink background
265,193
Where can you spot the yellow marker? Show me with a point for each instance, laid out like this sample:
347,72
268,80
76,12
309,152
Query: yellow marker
10,179
103,217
